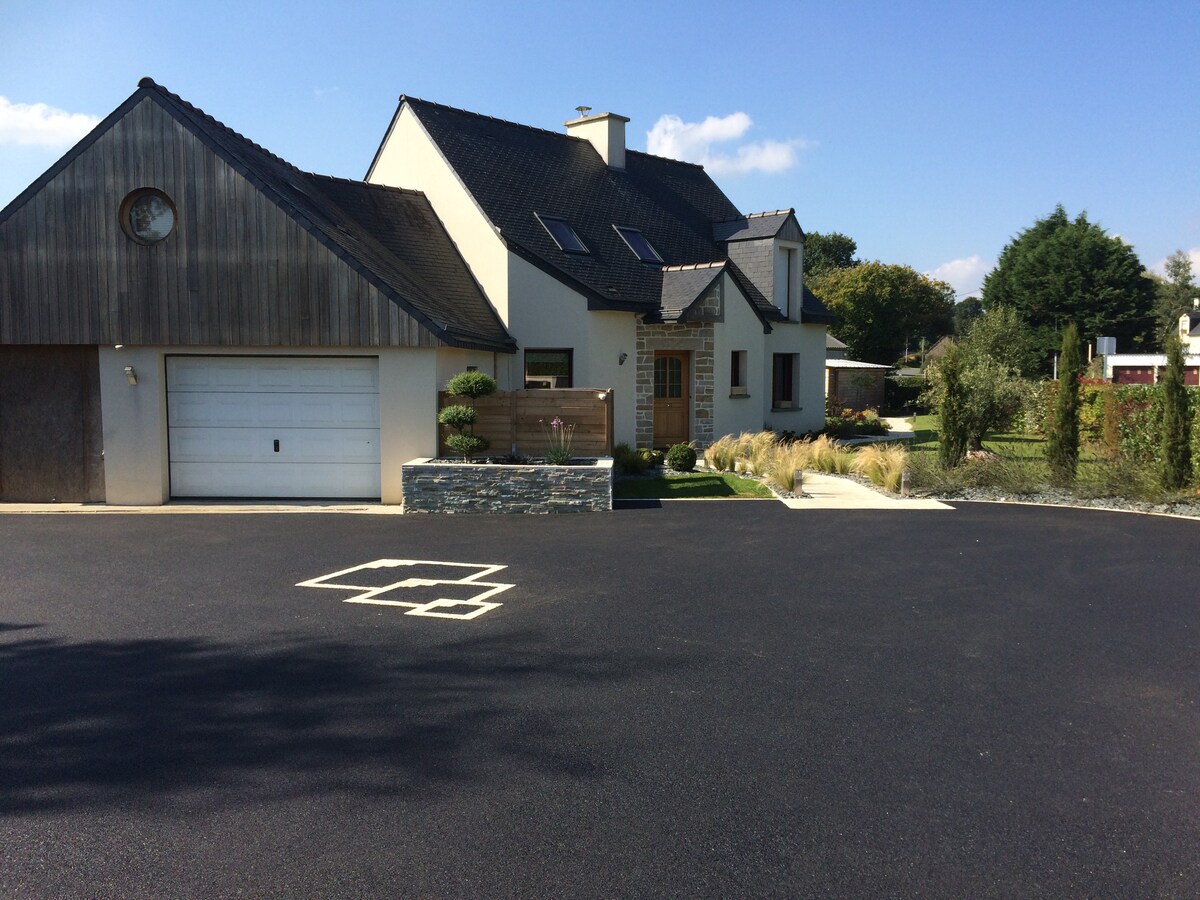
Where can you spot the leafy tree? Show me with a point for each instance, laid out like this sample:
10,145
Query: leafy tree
966,312
826,252
880,306
1062,270
973,387
1174,294
1062,438
1176,420
1002,335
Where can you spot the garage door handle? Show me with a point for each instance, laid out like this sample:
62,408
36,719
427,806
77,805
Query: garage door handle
277,446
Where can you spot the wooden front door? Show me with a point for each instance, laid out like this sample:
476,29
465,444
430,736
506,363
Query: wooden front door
671,396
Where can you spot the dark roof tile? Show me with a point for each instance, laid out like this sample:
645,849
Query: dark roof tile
391,236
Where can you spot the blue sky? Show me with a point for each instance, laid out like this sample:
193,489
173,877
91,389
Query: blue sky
929,132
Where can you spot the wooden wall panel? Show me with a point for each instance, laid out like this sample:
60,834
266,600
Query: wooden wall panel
506,417
50,428
236,271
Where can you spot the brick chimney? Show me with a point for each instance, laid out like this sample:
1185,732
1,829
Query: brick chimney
606,131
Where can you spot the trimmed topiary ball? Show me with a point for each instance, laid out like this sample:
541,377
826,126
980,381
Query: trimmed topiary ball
681,458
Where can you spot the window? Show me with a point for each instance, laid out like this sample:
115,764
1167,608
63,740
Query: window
548,368
783,381
788,282
148,216
562,233
636,241
737,373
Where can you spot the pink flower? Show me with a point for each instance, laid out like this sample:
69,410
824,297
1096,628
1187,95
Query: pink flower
556,422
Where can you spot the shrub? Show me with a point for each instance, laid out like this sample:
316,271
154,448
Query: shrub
628,461
651,457
471,385
458,417
462,420
853,423
682,458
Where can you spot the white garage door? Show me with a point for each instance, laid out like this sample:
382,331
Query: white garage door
244,426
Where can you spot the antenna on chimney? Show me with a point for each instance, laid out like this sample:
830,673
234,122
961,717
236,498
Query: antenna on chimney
583,110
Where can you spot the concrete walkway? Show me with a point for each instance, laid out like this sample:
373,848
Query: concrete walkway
832,492
901,430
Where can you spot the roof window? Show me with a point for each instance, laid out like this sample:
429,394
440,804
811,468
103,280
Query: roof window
562,233
638,244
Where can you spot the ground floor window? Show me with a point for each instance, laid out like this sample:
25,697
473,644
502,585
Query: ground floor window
783,380
549,368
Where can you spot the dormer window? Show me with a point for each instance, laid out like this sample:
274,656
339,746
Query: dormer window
636,241
562,233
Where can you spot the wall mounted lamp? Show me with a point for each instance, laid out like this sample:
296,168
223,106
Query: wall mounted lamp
621,359
130,375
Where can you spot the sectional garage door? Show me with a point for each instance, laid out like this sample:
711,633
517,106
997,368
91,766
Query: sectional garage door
244,426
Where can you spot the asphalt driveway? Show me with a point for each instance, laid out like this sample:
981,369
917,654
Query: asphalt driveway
703,699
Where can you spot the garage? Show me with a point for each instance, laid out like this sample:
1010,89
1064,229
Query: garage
297,427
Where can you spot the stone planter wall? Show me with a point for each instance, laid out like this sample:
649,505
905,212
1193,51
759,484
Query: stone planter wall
472,488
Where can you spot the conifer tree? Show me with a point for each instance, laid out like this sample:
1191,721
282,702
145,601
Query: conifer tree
1062,441
1176,420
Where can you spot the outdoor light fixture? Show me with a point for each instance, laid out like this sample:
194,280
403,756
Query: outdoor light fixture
130,375
621,359
603,395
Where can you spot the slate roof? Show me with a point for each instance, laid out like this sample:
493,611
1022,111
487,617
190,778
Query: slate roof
753,227
684,285
389,236
515,171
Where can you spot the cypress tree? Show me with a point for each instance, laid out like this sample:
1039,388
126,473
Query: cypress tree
1062,446
1176,420
954,427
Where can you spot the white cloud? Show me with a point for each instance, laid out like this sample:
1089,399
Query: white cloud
964,275
321,93
692,142
39,125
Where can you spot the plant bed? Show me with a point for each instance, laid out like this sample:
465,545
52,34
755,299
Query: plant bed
445,486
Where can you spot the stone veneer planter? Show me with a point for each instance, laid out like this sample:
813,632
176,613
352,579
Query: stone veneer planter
449,487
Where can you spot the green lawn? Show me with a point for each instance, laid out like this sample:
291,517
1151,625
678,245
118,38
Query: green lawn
694,484
1011,444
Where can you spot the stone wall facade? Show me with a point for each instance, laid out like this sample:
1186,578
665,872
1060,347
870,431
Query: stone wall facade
695,337
446,487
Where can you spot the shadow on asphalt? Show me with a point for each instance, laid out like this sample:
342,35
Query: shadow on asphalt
86,724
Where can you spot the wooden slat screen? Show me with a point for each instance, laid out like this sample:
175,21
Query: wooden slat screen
509,417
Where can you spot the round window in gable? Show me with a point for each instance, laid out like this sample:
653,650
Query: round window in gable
148,216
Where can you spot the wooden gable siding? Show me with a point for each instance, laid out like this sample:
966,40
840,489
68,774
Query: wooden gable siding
790,231
236,271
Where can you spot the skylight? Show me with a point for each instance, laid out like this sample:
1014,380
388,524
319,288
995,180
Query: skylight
562,233
638,244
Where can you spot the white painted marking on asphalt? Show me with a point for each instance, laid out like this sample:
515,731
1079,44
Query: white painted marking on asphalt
469,607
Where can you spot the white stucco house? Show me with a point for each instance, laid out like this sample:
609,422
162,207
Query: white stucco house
185,314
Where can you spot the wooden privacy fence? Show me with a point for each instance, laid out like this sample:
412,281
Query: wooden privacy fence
517,421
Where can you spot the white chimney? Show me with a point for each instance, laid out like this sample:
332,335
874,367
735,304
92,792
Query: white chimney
606,131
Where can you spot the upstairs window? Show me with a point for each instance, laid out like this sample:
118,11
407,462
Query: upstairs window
636,241
562,233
